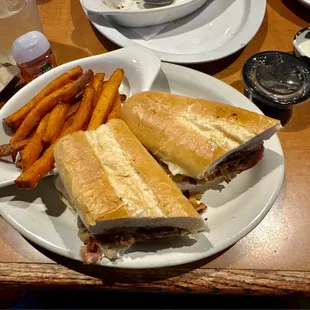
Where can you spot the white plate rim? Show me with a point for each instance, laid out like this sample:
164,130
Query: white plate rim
244,36
214,250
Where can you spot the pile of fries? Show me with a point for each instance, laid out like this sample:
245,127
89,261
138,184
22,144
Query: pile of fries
74,101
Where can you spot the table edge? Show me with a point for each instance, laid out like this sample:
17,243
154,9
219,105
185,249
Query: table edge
170,280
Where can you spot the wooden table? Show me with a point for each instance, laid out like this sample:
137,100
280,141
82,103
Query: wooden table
273,259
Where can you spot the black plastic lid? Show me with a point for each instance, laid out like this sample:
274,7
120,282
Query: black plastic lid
277,79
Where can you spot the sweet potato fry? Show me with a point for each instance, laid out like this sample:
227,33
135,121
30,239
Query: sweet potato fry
14,153
14,120
97,86
30,178
9,149
73,108
55,123
68,122
116,108
85,109
65,94
106,99
34,148
99,77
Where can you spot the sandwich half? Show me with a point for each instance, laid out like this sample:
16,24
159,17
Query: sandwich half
198,141
121,194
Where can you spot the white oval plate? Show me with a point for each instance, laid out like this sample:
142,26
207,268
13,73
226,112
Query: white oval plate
217,30
232,213
141,67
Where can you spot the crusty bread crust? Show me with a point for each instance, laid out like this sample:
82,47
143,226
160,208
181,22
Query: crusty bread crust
169,196
85,181
192,134
88,179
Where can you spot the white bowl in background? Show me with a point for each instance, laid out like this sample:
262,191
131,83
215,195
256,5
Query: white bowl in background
141,67
134,17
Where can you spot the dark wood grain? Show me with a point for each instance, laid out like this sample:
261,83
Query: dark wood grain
263,282
262,262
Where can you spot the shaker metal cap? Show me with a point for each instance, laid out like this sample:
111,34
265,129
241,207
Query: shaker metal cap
277,79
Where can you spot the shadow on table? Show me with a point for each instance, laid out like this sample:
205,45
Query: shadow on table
299,119
66,53
11,89
110,276
100,20
293,120
81,34
92,299
286,9
41,2
109,45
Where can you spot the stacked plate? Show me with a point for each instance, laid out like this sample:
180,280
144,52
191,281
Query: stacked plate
216,29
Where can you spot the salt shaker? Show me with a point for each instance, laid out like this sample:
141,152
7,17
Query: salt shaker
33,54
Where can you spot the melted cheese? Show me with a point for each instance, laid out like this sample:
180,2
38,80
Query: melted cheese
175,169
127,183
